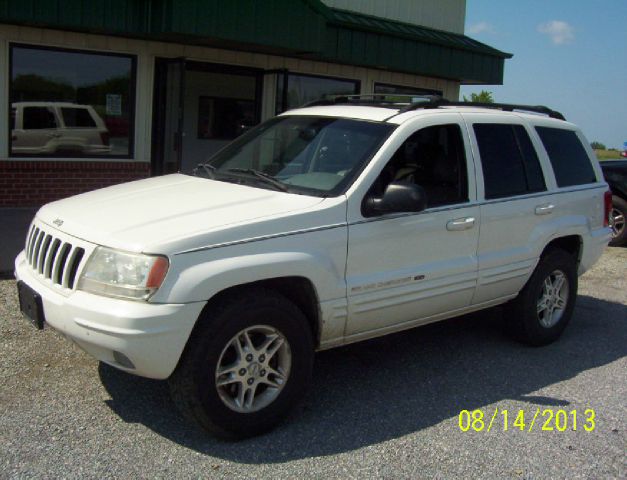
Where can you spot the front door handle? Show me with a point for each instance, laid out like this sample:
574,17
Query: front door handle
460,224
545,209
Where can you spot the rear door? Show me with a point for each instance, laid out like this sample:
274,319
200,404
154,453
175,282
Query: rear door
406,269
516,208
79,132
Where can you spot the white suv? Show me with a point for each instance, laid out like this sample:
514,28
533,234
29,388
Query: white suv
57,128
324,226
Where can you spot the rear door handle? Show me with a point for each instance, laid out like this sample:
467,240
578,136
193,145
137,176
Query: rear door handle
460,224
545,209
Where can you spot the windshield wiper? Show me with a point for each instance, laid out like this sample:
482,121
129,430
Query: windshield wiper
262,176
209,170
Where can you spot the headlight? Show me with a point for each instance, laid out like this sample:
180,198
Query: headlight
124,275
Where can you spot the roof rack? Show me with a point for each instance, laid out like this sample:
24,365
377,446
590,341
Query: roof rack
372,99
416,102
431,102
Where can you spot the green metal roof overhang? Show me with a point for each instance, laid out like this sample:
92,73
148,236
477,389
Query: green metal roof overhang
297,28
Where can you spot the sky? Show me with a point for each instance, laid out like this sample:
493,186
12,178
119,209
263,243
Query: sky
570,55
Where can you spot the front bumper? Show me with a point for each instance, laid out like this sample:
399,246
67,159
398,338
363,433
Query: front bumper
151,336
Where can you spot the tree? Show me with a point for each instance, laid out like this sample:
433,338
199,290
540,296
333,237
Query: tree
482,97
597,146
33,88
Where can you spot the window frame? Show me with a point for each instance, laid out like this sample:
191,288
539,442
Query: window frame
132,102
583,143
472,121
465,162
364,183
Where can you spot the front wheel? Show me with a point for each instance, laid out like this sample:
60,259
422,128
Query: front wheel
540,313
247,364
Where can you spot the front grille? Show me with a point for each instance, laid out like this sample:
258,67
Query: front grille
55,259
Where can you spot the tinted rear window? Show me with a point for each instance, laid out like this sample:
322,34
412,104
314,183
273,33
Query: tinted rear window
533,171
510,164
568,157
77,117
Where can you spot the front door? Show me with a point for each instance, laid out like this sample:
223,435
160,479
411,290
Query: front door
37,130
406,269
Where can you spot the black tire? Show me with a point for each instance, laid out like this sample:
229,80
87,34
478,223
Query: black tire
522,315
619,205
193,385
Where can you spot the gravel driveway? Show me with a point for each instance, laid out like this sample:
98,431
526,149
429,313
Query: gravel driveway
382,408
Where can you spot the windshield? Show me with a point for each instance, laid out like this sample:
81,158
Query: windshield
302,154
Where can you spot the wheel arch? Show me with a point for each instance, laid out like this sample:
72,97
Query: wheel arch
572,244
299,290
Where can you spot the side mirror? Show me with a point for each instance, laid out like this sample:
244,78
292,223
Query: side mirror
398,197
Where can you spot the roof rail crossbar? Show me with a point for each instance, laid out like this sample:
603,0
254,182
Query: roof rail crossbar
373,99
416,102
507,107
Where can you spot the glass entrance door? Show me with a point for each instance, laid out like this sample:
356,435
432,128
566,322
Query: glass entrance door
201,108
168,115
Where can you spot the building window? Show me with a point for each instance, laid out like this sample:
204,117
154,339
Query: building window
388,89
69,103
294,91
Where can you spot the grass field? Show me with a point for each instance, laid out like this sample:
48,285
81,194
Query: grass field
607,154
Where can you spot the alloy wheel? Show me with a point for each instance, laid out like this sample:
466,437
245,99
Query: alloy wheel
553,299
617,222
253,368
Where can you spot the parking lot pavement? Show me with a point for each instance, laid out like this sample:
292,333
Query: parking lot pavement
383,408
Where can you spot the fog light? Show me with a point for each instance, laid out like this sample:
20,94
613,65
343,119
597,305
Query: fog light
122,360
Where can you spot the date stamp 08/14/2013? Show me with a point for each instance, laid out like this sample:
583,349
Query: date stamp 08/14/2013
547,419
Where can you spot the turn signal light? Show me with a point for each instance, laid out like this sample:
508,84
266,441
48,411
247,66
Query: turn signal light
157,272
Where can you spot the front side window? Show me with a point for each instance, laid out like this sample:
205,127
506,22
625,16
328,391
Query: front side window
569,159
38,118
510,164
310,155
433,158
87,98
294,90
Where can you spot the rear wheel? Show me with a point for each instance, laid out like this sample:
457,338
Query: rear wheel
617,221
247,364
540,313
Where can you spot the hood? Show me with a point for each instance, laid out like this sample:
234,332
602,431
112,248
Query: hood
173,210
